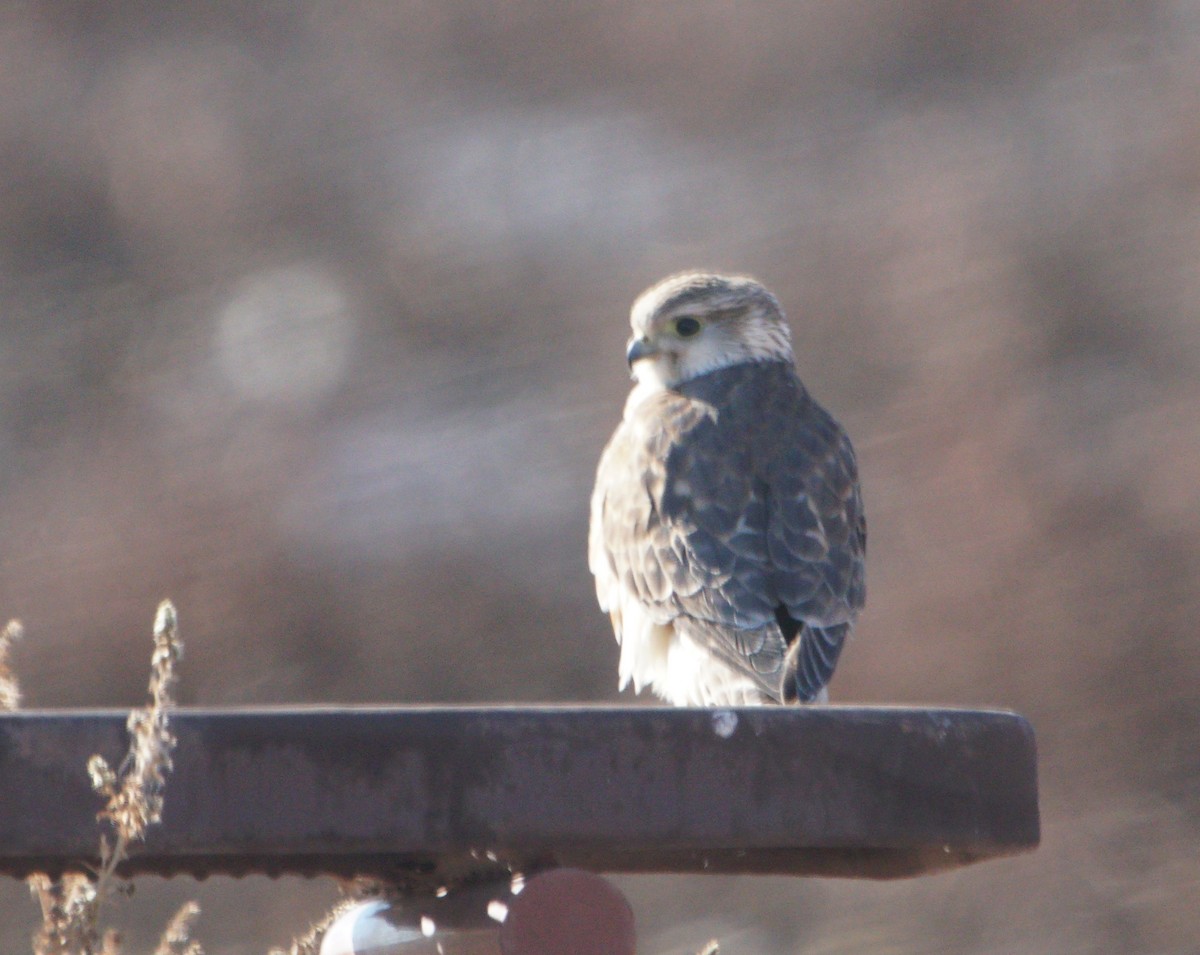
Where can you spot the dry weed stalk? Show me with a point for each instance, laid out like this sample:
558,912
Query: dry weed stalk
68,915
177,940
135,790
10,690
309,943
134,794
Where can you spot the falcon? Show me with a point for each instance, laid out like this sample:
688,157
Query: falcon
727,534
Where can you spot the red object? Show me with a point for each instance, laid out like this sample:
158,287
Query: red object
568,910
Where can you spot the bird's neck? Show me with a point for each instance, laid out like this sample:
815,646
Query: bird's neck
711,386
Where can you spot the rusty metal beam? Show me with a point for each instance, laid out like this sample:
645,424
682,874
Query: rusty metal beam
432,795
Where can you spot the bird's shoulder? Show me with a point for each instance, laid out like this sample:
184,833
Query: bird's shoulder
729,402
755,420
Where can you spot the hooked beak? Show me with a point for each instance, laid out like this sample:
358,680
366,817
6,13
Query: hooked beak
639,348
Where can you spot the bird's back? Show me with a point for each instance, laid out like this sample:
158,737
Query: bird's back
726,526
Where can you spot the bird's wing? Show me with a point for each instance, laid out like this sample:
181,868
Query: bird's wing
816,544
631,548
679,524
644,567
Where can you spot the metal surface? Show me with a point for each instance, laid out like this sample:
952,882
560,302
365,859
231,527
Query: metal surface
430,795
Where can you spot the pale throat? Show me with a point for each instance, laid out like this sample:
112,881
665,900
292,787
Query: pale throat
649,381
757,341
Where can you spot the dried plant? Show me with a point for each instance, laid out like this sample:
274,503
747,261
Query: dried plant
309,943
135,790
177,940
10,690
68,915
134,794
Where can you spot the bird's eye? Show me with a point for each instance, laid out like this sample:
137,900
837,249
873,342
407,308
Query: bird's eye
687,326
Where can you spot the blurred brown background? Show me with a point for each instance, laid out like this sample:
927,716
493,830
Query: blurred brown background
313,319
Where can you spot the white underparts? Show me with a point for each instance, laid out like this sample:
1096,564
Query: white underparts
656,657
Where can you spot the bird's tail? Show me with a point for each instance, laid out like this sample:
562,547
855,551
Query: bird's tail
810,662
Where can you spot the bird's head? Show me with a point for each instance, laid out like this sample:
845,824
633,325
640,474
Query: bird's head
696,322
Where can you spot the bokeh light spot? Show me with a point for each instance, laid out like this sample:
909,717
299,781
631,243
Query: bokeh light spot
286,335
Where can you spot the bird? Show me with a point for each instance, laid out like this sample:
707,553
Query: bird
727,535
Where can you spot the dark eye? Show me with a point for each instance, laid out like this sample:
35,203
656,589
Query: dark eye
687,326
